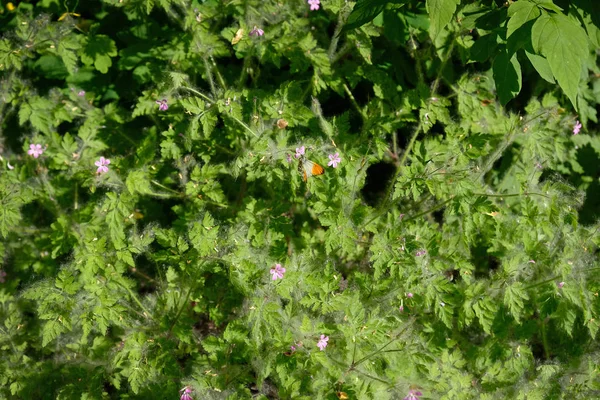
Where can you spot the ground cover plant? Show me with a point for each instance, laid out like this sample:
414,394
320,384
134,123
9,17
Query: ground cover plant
168,232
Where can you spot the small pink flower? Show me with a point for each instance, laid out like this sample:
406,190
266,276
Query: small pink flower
577,128
162,105
413,395
421,252
334,160
293,348
560,285
401,308
288,158
300,151
409,295
81,93
102,165
322,343
35,150
2,276
314,4
186,393
256,31
277,272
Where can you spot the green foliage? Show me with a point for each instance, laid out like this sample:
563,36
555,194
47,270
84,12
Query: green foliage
453,249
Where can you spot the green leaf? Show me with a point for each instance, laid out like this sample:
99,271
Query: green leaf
565,46
98,51
484,47
541,65
514,298
440,13
364,11
507,75
520,12
138,182
9,58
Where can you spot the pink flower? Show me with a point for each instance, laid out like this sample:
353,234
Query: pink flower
314,4
256,31
334,160
560,285
81,93
413,395
402,308
162,105
277,272
293,348
35,150
577,128
288,158
322,343
102,165
300,151
409,295
420,253
185,393
531,261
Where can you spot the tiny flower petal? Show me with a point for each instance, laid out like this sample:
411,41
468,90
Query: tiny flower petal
256,31
277,272
102,165
186,393
334,160
162,105
401,308
81,93
560,285
322,343
420,253
577,128
35,150
314,4
409,295
300,151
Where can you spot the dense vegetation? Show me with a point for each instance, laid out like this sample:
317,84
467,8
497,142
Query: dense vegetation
162,235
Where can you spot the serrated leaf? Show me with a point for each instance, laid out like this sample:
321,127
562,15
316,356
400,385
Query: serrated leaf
440,13
507,75
541,65
520,12
98,51
364,11
565,46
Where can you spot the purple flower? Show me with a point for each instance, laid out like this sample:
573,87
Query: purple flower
409,295
413,395
185,393
288,158
293,348
81,93
2,276
162,104
102,165
300,151
577,128
402,308
277,272
314,4
334,160
322,343
560,285
420,253
35,150
256,31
